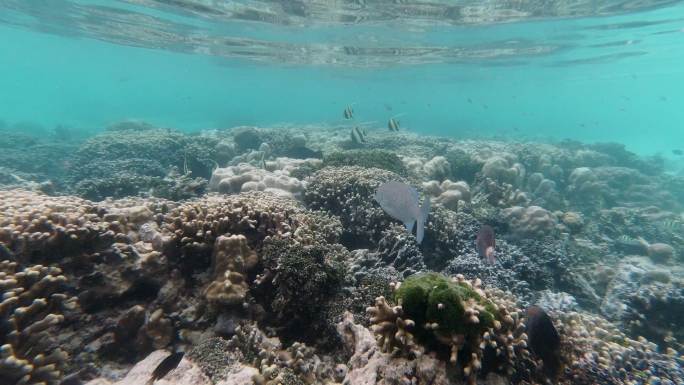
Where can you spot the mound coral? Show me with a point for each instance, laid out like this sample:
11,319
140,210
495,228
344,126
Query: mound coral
532,221
231,260
245,177
449,194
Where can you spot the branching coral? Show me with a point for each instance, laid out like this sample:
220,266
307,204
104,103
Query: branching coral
455,317
347,192
32,302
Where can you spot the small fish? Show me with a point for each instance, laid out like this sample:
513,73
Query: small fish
544,340
400,201
358,135
486,242
470,100
678,152
165,366
348,112
393,125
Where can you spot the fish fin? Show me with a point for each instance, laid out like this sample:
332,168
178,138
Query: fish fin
420,231
425,209
491,255
409,226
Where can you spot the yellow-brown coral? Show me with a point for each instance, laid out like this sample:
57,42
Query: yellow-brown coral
31,304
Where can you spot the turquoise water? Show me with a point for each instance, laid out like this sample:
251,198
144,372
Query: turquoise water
592,78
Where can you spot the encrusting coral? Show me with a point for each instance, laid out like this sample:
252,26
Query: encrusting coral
32,302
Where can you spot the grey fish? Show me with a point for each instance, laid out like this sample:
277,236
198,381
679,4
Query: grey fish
393,125
165,366
348,112
358,136
486,242
400,201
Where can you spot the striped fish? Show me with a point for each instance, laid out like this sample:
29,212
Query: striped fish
393,125
671,224
348,112
358,136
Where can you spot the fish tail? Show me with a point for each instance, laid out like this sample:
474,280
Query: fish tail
420,231
424,211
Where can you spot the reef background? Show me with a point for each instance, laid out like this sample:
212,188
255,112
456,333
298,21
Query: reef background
179,177
612,78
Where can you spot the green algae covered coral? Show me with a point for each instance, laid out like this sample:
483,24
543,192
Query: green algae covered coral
454,318
447,307
366,158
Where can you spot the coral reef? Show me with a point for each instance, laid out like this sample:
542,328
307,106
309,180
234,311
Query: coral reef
366,158
298,281
532,221
245,177
449,194
455,317
347,192
259,288
125,162
33,300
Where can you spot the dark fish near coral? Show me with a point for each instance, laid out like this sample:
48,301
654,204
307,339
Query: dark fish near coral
165,366
485,243
358,135
678,152
544,340
348,112
393,125
400,201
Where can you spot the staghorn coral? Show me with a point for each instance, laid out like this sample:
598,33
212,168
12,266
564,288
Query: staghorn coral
32,302
455,317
